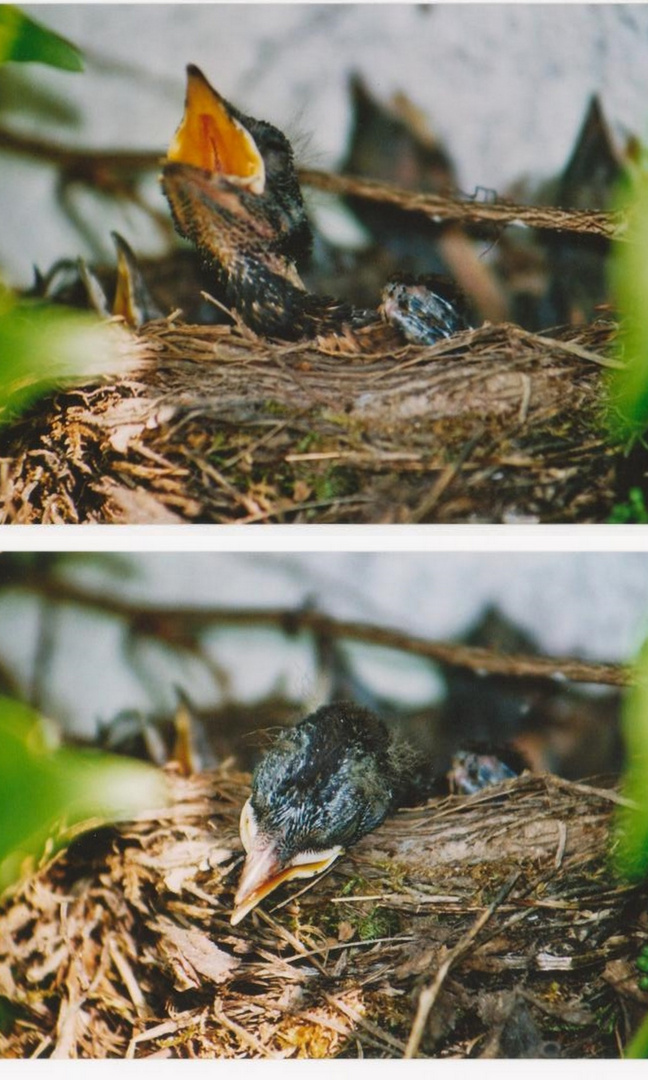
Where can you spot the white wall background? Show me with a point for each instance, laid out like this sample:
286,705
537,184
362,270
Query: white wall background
505,85
588,604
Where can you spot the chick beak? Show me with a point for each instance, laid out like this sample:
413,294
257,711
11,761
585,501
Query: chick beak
211,138
132,298
263,872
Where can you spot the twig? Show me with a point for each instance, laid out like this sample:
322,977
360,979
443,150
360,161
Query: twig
600,793
441,208
298,508
362,899
127,976
104,168
298,946
342,946
378,1033
430,993
242,1035
443,481
526,397
82,163
574,349
113,172
46,640
169,622
562,844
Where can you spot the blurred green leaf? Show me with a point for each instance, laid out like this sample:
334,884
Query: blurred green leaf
629,280
638,1047
23,39
631,853
631,834
48,789
43,344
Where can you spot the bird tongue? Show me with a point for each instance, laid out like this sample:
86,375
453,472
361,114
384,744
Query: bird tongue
210,138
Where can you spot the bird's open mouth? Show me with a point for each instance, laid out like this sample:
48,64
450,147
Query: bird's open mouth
211,138
263,871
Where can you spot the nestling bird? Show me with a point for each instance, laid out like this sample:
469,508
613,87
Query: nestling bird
232,186
132,299
323,785
477,768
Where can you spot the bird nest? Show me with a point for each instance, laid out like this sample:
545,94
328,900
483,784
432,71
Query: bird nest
482,926
218,425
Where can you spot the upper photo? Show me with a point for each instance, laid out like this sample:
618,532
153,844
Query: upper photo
308,263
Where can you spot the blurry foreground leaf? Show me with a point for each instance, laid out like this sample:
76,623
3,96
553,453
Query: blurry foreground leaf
638,1048
47,789
629,387
632,822
21,38
42,345
631,854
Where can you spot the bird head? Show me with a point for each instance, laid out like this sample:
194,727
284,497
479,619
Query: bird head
232,185
324,784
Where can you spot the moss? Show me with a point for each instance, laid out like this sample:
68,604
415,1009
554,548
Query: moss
381,922
355,886
607,1018
333,483
324,918
275,408
395,874
392,1014
631,512
307,443
367,919
219,442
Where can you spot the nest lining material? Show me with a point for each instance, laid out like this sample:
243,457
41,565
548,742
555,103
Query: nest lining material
217,425
482,926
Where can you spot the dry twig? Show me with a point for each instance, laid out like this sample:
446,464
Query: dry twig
180,626
468,211
430,993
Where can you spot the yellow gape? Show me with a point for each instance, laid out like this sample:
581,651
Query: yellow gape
210,138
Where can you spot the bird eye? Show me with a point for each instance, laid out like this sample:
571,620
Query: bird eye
276,157
248,827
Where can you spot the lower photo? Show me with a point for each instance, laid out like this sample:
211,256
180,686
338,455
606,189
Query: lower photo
319,806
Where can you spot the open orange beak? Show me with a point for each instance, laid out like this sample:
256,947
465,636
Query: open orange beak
263,871
211,138
132,299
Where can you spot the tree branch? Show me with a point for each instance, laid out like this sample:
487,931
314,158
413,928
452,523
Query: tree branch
80,163
176,624
108,169
441,208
